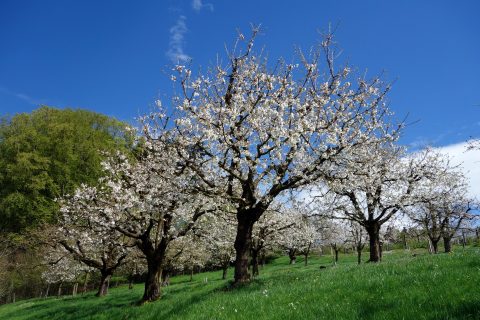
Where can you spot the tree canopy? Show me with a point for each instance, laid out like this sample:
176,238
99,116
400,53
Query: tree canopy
48,153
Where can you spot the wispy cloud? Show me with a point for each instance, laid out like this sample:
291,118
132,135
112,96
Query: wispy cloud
176,51
22,96
198,5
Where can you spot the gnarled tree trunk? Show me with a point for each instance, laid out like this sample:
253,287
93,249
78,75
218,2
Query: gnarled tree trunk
373,231
243,243
103,286
434,243
447,244
292,254
152,286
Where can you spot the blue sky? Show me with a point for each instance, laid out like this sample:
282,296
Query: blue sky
114,57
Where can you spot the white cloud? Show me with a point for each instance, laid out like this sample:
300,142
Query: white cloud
176,51
469,161
197,5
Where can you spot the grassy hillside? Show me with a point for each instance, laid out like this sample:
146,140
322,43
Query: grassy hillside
444,286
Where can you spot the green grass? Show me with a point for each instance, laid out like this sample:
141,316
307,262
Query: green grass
444,286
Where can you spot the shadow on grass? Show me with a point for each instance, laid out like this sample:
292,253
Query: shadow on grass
176,301
74,307
468,310
229,286
180,305
188,281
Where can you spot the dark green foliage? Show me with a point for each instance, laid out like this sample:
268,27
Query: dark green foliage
48,153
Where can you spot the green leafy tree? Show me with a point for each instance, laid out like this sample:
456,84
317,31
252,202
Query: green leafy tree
48,153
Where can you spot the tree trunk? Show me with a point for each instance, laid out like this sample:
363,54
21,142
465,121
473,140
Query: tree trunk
152,286
254,262
337,250
59,292
374,241
85,283
191,274
46,291
380,249
130,284
435,245
292,254
243,242
225,270
103,286
447,243
160,277
306,253
359,254
166,279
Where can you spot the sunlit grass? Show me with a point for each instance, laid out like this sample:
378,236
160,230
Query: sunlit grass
444,286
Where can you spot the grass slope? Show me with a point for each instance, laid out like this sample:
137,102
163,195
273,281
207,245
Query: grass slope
444,286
